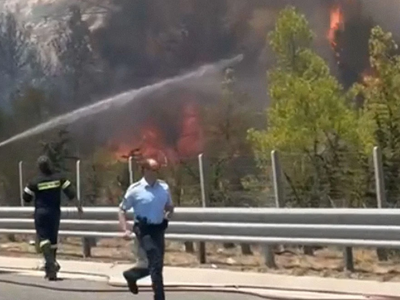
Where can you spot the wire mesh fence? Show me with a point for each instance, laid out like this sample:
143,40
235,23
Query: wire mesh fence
345,179
9,190
237,181
184,181
339,179
102,184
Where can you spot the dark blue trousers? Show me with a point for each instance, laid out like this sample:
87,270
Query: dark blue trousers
47,223
153,243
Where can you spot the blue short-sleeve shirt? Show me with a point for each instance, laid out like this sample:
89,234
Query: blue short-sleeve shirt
147,201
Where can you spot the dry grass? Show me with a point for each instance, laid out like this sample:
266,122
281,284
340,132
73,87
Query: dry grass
326,262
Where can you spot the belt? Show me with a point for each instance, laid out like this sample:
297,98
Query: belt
147,224
152,226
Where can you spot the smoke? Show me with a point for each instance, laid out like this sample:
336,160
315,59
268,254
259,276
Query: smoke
385,13
121,101
249,24
160,113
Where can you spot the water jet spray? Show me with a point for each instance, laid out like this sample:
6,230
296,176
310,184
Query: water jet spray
122,99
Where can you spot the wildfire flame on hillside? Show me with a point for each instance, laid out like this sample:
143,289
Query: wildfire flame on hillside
347,15
336,23
152,140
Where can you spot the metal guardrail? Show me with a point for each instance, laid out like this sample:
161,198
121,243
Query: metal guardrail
278,219
253,230
329,216
266,226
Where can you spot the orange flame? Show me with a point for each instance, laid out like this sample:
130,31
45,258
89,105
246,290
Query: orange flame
151,140
336,23
191,139
151,143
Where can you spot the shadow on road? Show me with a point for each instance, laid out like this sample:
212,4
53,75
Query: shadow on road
5,272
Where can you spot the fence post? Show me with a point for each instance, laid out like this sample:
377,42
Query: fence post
380,191
204,197
379,178
277,179
130,168
86,244
278,193
21,182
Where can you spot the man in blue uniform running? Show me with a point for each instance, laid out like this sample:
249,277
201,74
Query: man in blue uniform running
151,202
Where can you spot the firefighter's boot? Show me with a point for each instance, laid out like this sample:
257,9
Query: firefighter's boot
57,265
50,266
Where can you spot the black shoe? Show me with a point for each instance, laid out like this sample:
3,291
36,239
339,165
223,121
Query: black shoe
131,283
52,277
57,267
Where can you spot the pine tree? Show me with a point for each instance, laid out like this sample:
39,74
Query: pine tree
310,119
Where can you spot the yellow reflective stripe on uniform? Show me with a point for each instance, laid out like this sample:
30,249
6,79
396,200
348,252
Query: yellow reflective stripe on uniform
43,243
66,184
49,185
28,191
55,246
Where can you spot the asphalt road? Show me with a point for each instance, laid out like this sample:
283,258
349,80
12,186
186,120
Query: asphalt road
18,287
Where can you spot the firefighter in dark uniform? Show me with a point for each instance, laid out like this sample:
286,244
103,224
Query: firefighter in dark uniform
45,189
151,202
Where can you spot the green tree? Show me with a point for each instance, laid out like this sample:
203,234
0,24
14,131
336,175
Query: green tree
311,118
59,150
93,173
381,96
4,180
4,123
101,178
19,60
226,123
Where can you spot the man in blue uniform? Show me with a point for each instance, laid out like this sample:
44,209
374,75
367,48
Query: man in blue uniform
151,202
45,189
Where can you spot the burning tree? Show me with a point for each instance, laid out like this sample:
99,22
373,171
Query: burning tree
348,36
310,115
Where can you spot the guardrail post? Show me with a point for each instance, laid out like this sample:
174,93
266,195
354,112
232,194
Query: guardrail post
348,259
380,192
204,198
347,253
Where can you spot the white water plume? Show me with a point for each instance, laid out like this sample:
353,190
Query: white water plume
121,99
